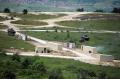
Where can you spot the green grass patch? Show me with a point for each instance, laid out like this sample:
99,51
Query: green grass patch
50,28
105,43
36,17
106,16
93,24
2,19
3,26
6,42
28,22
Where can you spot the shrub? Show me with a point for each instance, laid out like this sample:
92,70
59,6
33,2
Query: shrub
56,74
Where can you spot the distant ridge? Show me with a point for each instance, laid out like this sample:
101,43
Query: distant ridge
59,5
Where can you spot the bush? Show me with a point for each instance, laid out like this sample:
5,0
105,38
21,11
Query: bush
56,74
16,57
8,75
40,67
25,63
102,75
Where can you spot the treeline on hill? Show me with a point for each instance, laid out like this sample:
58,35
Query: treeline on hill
16,67
7,10
114,10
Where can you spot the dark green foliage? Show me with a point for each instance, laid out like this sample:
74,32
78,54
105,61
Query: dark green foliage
102,75
92,74
8,75
85,74
2,52
56,30
68,34
7,10
116,10
40,67
25,11
99,10
56,74
16,57
52,68
25,63
80,10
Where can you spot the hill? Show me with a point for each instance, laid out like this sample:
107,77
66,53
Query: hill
59,5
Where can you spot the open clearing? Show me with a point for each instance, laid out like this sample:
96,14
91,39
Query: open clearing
36,17
6,42
93,24
104,42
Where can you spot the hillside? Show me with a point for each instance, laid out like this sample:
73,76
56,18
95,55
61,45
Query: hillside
59,5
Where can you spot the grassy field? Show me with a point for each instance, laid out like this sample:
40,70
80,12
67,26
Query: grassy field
29,22
106,16
93,24
105,43
69,68
2,19
7,41
3,26
36,17
50,28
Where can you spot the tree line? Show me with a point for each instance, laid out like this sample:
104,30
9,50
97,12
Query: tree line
25,11
7,10
114,10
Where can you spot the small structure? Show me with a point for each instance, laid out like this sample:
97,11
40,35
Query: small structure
89,49
22,37
69,45
42,49
103,57
54,46
92,51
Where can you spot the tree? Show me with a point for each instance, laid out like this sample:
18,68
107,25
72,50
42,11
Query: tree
56,74
116,10
56,30
80,10
25,11
7,10
68,34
